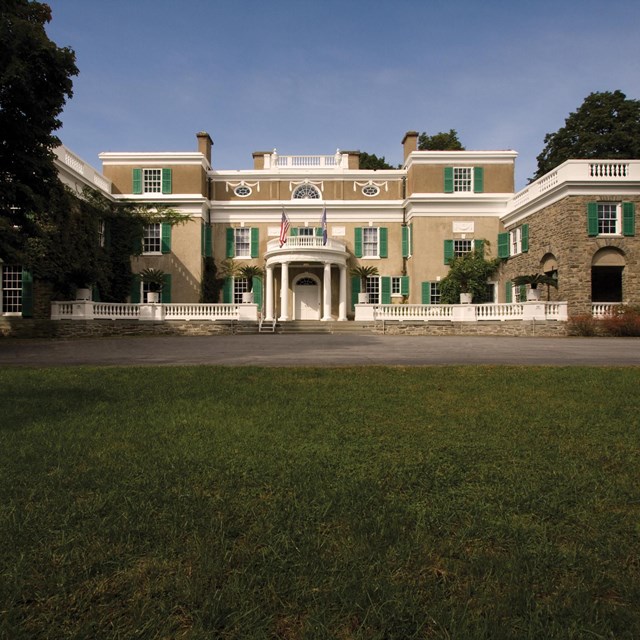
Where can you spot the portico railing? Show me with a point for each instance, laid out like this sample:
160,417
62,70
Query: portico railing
602,309
306,242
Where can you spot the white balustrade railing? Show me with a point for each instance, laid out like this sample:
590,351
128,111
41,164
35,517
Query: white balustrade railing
306,242
602,309
183,311
500,311
115,310
413,312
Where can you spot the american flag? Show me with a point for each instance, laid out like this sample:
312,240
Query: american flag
323,223
284,227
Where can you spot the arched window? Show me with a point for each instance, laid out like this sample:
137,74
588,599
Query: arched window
306,191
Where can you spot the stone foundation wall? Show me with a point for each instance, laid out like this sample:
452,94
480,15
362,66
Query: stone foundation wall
515,328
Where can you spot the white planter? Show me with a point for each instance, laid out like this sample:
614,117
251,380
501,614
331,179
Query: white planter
533,295
363,298
247,297
465,298
83,293
153,297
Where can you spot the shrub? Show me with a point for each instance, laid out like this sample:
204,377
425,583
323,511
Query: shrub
622,321
583,325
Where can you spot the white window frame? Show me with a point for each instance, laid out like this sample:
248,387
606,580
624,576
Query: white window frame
101,232
242,240
458,251
396,286
306,189
152,180
11,290
463,179
372,288
306,232
372,188
240,286
243,187
371,245
435,295
515,241
617,220
152,243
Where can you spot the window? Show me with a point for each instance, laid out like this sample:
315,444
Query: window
373,289
370,242
242,242
460,247
611,218
396,285
515,241
462,179
370,190
152,180
152,238
306,231
511,243
11,289
242,191
101,233
306,191
240,286
434,293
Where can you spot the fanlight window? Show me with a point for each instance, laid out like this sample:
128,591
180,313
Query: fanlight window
306,282
306,191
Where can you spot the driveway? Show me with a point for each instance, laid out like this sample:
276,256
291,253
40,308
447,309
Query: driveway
321,350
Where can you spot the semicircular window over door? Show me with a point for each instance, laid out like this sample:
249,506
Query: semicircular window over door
307,299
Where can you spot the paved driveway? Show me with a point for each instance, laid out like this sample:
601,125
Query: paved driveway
321,350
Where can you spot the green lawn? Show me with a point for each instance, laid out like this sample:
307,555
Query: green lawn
377,503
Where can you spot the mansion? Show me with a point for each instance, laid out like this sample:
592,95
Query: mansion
308,221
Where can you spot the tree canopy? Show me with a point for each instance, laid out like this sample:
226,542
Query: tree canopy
371,161
468,273
606,125
443,141
35,82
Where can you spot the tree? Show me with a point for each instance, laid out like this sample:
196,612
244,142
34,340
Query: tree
372,162
468,273
606,126
440,141
35,81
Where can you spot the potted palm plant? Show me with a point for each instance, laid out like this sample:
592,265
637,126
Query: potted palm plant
249,271
533,280
363,272
154,279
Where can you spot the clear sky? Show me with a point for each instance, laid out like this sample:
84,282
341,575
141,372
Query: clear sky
307,77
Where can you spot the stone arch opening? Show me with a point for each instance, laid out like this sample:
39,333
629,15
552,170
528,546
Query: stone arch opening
607,267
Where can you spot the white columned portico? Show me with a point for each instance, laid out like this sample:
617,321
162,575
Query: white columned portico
284,293
269,294
342,302
326,292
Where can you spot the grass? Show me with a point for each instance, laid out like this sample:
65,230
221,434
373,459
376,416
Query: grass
361,503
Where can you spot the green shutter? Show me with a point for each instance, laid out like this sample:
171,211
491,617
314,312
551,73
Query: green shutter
166,181
355,290
503,245
95,293
166,238
628,219
227,291
165,297
231,243
592,219
208,241
357,250
524,238
137,181
404,285
448,179
411,239
202,239
523,292
508,290
135,290
107,235
318,232
478,247
478,179
384,241
293,232
405,242
426,292
448,251
385,290
257,291
255,241
27,294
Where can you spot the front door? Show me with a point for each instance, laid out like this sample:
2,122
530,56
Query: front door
306,292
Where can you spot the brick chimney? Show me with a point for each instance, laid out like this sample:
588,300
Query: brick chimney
410,143
204,144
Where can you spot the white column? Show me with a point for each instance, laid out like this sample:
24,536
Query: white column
342,304
326,292
284,293
269,294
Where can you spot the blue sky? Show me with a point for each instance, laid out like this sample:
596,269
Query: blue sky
309,76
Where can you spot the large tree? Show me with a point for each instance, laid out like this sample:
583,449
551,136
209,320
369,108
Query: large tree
443,141
372,161
606,125
35,82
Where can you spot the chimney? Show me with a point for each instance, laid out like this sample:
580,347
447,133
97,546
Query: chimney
410,143
204,144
